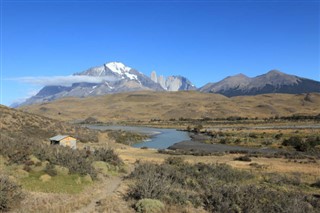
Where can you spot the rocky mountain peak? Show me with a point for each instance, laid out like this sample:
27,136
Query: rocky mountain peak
240,75
275,78
172,83
275,72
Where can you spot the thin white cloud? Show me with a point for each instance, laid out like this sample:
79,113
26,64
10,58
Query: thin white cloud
16,102
63,80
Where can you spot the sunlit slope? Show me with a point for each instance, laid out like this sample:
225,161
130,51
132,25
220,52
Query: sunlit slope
149,105
16,124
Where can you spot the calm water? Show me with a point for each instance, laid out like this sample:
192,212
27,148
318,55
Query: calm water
160,138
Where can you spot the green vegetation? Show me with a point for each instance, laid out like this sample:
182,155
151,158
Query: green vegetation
126,137
316,184
19,151
302,144
149,206
178,182
40,167
61,183
218,188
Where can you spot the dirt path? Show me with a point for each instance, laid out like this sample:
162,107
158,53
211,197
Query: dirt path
105,189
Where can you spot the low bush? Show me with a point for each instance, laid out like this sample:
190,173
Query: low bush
253,198
243,158
303,145
316,184
176,181
274,178
50,170
107,155
126,137
152,182
149,206
174,161
10,194
217,188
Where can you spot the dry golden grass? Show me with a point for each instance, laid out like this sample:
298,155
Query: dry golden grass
146,105
280,165
15,123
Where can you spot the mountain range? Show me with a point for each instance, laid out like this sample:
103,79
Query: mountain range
272,82
115,77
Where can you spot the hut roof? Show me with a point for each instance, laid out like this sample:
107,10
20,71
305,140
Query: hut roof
58,137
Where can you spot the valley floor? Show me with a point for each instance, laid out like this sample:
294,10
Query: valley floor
107,194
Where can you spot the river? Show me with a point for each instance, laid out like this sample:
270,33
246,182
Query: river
159,138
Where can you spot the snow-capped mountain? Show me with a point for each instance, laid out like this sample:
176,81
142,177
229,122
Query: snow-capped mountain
115,69
172,83
115,78
272,82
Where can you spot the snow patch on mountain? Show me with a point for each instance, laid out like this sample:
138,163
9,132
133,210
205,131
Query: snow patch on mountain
118,67
131,76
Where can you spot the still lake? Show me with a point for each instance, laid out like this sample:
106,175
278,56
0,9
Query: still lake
159,138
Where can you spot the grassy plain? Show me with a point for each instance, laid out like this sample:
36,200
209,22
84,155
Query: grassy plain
146,106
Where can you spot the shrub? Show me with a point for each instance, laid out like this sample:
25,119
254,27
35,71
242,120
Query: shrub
10,194
174,161
152,182
197,128
252,198
223,141
316,184
216,187
29,163
50,170
38,163
253,135
126,137
27,168
149,206
243,158
292,141
278,136
302,145
107,155
179,182
237,141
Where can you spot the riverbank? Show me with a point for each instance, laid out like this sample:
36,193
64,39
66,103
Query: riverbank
198,147
156,138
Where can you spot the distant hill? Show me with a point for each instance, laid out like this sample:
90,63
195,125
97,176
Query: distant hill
147,105
272,82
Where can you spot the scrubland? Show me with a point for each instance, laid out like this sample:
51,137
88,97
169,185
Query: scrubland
105,174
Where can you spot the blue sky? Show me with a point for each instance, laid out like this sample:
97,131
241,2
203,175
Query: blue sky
202,40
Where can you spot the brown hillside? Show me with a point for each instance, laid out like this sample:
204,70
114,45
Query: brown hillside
148,105
18,124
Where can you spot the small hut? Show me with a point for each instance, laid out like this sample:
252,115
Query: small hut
64,140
